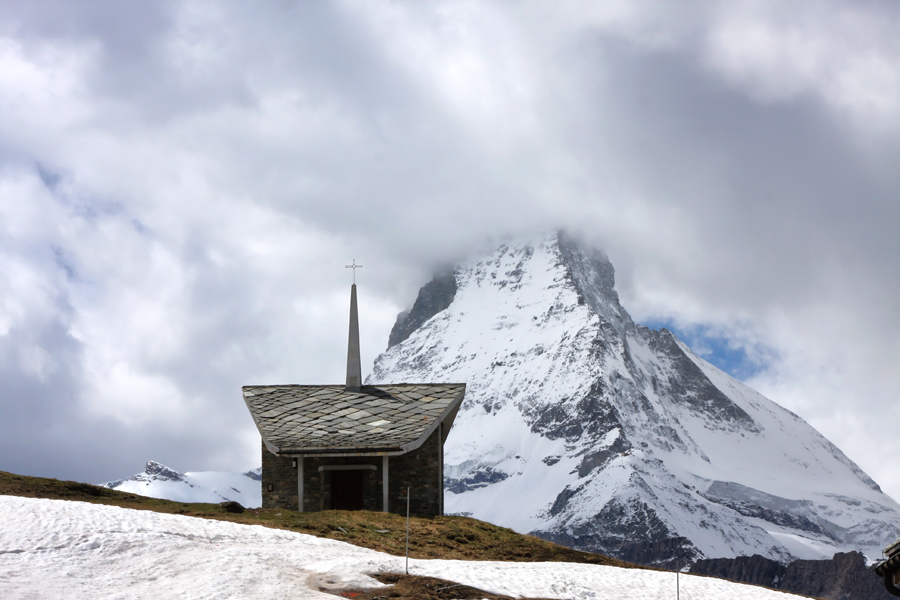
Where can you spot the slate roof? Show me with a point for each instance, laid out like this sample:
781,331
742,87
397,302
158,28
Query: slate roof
326,419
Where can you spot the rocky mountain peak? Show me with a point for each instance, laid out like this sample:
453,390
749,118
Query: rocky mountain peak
593,277
614,437
588,271
157,471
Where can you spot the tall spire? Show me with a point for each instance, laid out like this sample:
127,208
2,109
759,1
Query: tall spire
354,370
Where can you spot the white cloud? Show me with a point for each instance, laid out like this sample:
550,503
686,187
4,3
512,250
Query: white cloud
845,54
210,168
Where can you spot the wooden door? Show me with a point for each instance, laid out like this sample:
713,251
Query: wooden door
347,490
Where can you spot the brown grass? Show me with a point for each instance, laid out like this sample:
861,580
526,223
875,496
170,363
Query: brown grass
460,538
439,537
413,587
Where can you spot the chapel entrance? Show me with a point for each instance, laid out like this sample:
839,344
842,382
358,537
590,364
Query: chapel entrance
347,490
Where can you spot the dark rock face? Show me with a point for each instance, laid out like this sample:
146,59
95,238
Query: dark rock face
589,267
153,471
688,384
254,474
594,414
778,517
665,552
756,570
668,553
600,458
160,472
616,526
478,479
591,273
844,577
435,296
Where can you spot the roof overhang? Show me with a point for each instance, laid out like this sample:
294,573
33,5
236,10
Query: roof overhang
444,420
447,417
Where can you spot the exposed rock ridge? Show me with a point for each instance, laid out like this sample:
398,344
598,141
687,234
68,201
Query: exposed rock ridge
844,577
153,471
434,297
594,278
755,570
692,386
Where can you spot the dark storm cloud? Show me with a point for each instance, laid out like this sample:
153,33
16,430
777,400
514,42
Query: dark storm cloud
775,189
181,185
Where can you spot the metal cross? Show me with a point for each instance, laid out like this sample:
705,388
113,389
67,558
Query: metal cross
354,266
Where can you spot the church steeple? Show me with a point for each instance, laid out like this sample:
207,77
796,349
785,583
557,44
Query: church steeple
354,370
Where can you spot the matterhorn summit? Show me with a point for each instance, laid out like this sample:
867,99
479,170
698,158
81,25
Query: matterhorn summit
584,428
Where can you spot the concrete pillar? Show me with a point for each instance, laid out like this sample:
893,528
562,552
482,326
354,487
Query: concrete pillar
300,483
384,483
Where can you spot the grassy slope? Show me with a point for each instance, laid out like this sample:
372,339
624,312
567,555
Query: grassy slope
459,538
439,537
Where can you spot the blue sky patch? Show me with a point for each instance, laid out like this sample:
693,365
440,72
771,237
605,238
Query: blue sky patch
726,353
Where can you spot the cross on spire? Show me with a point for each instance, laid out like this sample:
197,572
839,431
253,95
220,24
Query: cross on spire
354,266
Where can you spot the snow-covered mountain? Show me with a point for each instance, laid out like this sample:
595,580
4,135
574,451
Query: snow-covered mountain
589,430
159,481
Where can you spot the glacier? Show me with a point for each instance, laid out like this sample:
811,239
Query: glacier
589,430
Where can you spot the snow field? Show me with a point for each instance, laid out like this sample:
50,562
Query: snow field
61,549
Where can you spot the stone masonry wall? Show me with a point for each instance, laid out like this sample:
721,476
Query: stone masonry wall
278,473
420,470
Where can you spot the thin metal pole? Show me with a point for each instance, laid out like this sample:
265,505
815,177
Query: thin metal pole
677,586
407,531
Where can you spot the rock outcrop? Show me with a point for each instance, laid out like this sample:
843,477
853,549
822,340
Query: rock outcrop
844,577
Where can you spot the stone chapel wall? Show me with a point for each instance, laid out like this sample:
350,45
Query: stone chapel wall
278,474
420,470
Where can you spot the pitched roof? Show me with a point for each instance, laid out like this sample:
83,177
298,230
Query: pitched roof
328,419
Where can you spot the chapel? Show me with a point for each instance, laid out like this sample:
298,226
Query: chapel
354,446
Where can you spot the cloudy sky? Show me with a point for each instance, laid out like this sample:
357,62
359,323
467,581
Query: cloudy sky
182,183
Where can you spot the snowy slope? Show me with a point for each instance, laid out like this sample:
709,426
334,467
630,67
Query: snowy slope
586,429
159,481
59,549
